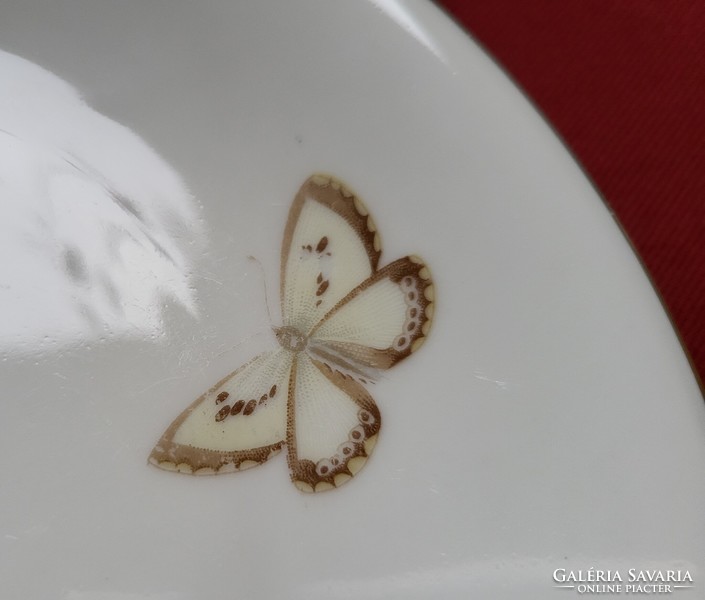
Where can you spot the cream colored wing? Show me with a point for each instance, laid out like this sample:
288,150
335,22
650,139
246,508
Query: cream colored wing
332,426
377,324
330,245
237,424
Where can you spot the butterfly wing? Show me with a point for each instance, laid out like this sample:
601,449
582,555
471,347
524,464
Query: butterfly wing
379,323
333,424
330,245
354,330
237,424
312,399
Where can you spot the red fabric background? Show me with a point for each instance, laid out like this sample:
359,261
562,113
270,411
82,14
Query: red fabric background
623,82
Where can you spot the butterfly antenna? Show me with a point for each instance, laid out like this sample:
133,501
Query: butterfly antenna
264,285
241,342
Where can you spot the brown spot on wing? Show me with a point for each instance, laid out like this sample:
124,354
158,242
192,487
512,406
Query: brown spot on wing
322,244
185,458
222,413
322,288
331,193
414,278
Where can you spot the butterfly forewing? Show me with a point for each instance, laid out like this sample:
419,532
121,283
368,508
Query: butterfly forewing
237,424
333,426
330,245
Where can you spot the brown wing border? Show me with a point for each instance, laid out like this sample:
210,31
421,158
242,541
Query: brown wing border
304,473
408,266
182,458
332,193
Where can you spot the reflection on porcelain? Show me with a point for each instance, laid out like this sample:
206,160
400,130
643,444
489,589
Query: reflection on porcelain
345,321
100,229
414,26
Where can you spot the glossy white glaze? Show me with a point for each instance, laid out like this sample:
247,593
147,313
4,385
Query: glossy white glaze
551,420
96,231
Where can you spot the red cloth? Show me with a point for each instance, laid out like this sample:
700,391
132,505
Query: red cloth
623,82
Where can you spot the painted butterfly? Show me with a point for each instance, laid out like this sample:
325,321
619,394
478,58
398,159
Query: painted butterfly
344,321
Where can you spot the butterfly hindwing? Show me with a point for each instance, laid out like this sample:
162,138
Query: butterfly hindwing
237,424
381,321
332,426
330,245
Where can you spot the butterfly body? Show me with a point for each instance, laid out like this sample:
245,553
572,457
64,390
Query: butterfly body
344,321
291,338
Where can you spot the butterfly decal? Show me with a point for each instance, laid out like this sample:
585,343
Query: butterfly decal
344,322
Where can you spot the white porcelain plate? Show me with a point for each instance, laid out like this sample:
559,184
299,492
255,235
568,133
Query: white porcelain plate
549,426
